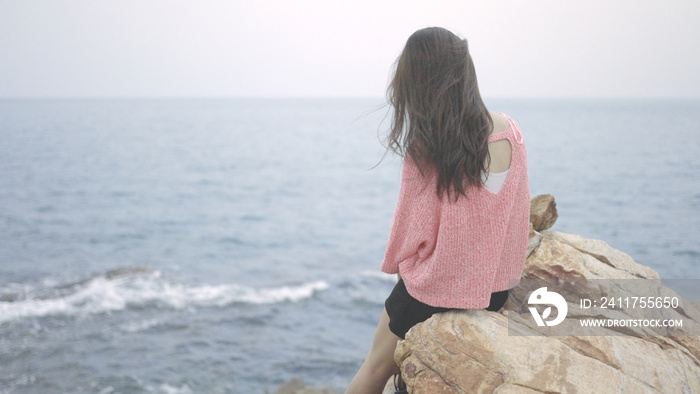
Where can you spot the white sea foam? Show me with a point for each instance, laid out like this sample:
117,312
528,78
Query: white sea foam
104,294
379,275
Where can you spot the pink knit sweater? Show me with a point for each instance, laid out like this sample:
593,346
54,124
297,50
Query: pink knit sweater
455,254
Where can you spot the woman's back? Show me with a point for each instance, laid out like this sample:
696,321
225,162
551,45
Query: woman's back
453,253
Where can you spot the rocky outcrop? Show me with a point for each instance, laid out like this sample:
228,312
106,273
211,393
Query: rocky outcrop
543,212
472,351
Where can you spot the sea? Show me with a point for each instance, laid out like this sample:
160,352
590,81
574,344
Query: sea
230,245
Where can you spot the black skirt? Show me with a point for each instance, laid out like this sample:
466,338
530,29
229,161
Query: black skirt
405,311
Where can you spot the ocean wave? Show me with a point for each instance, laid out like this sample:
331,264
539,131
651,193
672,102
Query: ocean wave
379,275
137,288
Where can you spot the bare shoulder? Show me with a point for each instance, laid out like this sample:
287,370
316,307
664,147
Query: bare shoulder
500,123
499,151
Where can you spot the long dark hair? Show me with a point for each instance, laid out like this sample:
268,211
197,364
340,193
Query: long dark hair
439,119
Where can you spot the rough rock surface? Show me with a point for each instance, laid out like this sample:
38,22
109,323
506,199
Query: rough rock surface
543,212
471,351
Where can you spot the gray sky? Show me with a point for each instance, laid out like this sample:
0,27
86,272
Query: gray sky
169,48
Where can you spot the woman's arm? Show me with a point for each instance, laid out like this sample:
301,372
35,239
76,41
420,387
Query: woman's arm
416,220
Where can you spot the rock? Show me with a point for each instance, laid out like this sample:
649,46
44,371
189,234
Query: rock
543,212
471,351
568,256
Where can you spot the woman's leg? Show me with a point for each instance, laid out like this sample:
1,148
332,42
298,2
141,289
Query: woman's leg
379,364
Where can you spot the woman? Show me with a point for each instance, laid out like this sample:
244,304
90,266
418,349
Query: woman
459,235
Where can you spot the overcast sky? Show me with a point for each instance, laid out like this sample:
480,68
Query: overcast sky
201,48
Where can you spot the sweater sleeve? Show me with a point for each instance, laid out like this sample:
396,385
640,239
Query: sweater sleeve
415,224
